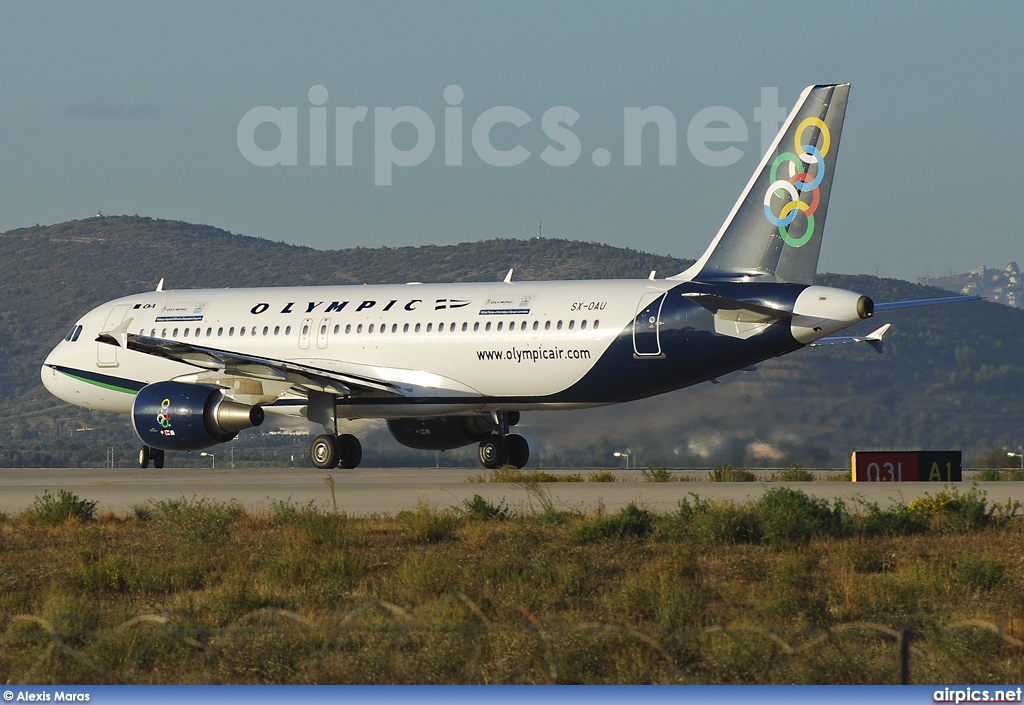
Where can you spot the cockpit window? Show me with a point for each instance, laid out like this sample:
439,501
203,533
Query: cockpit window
73,334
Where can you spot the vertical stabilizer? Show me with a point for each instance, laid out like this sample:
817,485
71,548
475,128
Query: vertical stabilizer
774,231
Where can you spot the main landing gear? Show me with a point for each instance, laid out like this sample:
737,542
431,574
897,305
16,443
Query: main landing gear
148,454
503,448
330,451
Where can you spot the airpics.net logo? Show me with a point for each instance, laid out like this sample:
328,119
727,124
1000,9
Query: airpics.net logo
270,136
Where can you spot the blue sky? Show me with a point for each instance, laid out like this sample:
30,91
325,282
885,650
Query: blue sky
135,108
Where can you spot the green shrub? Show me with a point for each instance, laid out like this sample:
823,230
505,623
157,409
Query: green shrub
977,572
53,511
426,525
480,509
657,475
989,475
322,527
601,476
897,520
628,521
727,473
794,473
952,512
790,517
201,520
719,523
1014,475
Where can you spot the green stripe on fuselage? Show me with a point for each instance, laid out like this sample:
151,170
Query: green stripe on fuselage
104,385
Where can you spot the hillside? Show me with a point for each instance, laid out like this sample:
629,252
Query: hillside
951,376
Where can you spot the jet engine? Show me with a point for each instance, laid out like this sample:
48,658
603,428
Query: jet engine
179,416
445,432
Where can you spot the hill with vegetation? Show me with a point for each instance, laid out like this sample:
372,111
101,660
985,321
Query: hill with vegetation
951,377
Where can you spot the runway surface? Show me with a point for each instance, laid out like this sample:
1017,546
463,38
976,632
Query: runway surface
366,491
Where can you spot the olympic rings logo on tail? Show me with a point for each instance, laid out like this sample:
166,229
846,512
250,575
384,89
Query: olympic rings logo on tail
798,182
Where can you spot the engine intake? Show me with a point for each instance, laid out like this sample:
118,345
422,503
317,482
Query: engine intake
179,416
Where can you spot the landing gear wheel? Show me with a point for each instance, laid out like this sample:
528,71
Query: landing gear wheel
351,451
518,450
493,452
157,454
324,452
144,457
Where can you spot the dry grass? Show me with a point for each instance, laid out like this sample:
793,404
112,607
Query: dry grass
454,596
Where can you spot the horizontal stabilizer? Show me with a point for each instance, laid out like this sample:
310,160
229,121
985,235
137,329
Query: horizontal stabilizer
873,339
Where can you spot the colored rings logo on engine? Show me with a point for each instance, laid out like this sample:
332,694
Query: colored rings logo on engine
798,182
164,417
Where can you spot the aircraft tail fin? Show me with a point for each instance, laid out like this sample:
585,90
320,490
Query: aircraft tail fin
773,233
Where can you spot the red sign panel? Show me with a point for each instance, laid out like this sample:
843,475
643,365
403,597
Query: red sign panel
907,466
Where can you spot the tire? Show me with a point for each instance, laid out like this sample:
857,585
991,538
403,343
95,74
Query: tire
324,452
351,451
144,457
518,451
157,455
493,452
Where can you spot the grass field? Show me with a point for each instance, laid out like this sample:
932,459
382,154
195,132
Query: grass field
789,589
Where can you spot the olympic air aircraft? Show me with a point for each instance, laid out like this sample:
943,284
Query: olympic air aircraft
449,365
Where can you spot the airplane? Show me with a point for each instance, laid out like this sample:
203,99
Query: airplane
450,365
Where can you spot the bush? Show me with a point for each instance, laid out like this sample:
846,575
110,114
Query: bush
425,525
322,527
789,517
54,511
989,475
978,573
629,521
794,473
719,523
201,520
602,476
657,475
727,473
480,509
951,512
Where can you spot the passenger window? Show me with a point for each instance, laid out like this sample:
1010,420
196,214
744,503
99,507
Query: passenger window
583,325
241,331
370,329
288,330
175,333
405,328
323,329
336,328
559,325
152,333
417,327
547,325
596,324
305,330
348,329
465,326
394,327
163,333
359,328
231,331
277,330
536,325
186,332
522,326
500,324
220,331
67,338
266,330
488,326
430,327
476,326
572,324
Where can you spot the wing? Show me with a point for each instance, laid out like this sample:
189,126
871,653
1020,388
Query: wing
296,375
896,305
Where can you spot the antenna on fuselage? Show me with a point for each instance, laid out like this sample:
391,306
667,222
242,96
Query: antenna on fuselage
508,277
160,286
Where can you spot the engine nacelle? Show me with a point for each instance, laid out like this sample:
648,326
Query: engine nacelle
179,416
442,433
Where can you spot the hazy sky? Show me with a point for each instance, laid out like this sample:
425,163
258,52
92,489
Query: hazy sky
135,108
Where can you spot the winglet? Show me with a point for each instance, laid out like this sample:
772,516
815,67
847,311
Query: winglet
116,336
875,339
